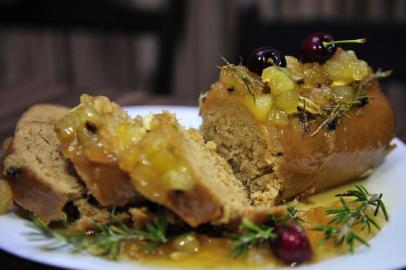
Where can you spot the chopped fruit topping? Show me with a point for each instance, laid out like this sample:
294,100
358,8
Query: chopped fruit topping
344,67
325,91
287,101
98,135
259,106
157,170
239,79
283,88
278,80
264,57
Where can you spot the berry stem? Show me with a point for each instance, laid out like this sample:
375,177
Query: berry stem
359,41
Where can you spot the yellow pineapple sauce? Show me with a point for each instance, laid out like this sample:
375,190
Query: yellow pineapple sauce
213,253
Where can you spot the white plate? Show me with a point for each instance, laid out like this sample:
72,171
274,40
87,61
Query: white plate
388,248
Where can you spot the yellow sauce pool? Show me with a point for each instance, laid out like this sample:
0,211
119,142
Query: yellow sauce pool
214,252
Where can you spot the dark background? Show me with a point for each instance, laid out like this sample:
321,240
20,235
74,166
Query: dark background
166,51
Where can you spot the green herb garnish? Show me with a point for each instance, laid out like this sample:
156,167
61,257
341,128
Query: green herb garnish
339,110
249,82
309,106
251,235
353,216
104,240
255,235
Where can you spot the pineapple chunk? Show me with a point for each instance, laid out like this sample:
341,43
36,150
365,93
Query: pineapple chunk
259,106
287,101
344,67
283,88
278,80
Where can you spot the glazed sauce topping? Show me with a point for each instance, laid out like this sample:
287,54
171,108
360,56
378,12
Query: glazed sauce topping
113,151
282,91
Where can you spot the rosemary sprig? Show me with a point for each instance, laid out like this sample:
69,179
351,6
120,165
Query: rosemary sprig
249,83
251,235
353,216
339,110
105,240
292,214
255,235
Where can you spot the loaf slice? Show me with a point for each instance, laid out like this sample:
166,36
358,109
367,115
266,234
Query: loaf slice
176,169
89,139
36,170
156,156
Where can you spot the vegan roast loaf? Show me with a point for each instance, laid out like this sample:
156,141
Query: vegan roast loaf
283,133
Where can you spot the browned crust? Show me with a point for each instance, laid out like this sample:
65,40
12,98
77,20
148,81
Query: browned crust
48,113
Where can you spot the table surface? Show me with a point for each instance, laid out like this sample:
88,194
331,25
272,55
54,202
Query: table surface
11,262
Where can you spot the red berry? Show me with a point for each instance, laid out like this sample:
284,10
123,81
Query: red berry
291,244
312,48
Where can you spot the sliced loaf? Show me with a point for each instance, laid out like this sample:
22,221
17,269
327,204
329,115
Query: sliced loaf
34,167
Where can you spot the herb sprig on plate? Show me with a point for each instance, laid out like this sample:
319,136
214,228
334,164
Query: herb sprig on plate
251,235
256,235
104,240
357,213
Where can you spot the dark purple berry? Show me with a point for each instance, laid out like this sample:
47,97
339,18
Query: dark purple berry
261,58
312,48
291,244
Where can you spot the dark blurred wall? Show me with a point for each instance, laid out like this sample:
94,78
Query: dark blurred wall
54,50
